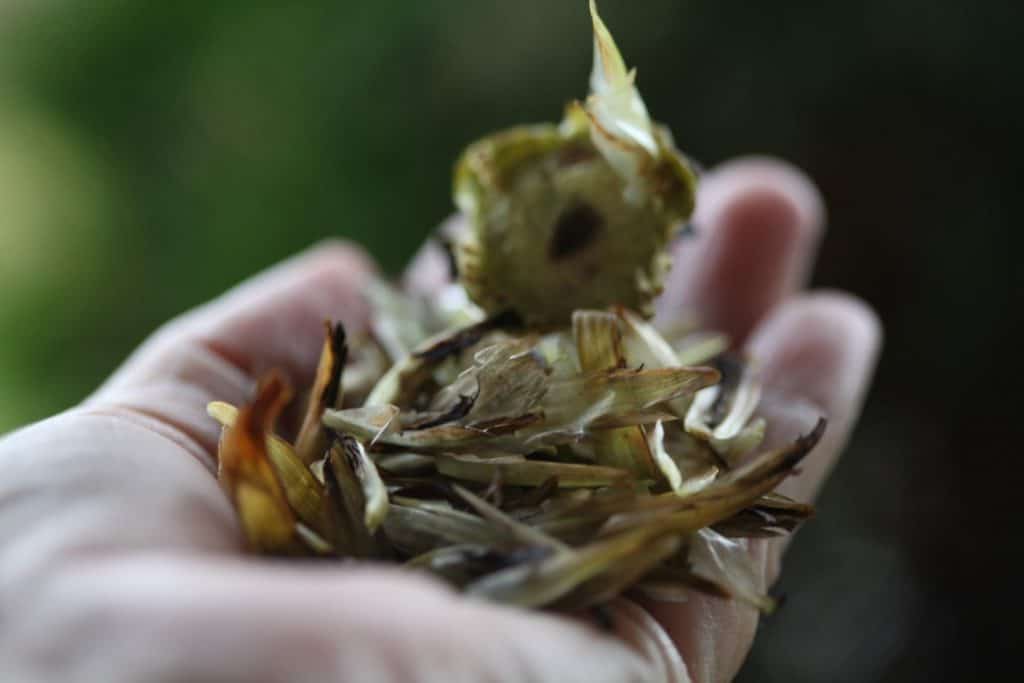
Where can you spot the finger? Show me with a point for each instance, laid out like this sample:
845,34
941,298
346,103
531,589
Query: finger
713,635
817,354
218,351
205,619
758,224
431,268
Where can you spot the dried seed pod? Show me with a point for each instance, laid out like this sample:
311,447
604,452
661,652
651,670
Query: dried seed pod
585,209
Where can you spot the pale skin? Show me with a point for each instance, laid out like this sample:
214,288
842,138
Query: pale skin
120,557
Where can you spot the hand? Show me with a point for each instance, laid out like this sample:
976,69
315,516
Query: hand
120,556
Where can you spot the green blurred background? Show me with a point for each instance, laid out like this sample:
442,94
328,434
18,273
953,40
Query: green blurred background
153,154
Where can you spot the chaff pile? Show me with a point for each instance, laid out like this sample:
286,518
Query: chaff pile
527,434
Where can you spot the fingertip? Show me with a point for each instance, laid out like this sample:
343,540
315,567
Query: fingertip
784,190
759,221
333,264
855,315
334,252
817,355
822,347
841,313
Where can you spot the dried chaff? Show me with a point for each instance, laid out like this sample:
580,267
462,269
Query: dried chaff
529,435
563,413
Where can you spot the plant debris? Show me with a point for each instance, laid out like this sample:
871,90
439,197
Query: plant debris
540,442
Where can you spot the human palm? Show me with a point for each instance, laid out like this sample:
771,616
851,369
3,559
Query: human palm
120,556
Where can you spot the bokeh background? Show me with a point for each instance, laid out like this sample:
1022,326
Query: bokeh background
152,154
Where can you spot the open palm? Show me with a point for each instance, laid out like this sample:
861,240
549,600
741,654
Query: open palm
120,557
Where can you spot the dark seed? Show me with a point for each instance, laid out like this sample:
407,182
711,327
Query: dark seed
576,228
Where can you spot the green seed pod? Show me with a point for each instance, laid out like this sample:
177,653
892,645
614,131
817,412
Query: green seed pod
577,215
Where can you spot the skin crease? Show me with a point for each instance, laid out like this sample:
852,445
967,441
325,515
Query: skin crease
120,556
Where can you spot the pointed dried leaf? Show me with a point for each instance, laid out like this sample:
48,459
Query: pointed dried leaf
521,472
311,443
729,494
374,494
456,564
516,531
621,575
769,516
417,528
369,423
543,581
345,506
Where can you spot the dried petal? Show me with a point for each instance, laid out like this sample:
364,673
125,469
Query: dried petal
246,474
303,490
